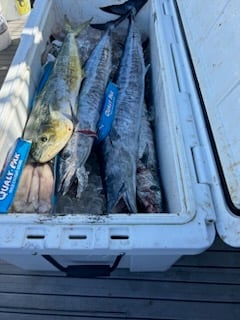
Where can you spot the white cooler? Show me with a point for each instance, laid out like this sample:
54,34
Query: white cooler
87,245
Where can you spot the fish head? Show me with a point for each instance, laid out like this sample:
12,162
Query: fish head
51,137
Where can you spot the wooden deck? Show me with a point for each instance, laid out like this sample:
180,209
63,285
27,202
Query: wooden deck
7,55
200,287
203,287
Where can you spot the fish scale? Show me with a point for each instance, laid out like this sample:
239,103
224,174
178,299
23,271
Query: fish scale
75,154
50,124
149,193
120,148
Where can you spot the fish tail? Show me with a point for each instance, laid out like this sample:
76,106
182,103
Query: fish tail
125,7
110,24
125,202
82,180
76,31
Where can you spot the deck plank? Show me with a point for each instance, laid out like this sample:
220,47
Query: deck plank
113,307
157,289
15,28
183,292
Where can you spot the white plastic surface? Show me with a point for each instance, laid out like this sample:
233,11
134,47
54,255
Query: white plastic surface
10,11
188,226
5,39
212,31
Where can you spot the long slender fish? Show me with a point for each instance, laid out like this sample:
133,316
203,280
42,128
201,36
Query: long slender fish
149,193
50,124
75,154
120,148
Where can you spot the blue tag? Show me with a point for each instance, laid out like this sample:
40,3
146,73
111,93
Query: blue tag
11,173
47,69
55,176
108,112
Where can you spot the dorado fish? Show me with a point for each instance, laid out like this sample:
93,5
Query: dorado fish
120,148
50,124
149,193
74,156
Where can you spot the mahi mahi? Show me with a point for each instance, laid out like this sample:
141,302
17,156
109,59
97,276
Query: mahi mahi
50,124
120,148
97,71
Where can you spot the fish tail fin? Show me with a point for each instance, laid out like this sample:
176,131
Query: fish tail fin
81,27
110,24
126,201
125,7
82,180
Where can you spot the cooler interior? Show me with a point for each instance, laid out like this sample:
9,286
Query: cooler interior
175,133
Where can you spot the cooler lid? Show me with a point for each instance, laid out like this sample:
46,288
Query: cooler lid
212,32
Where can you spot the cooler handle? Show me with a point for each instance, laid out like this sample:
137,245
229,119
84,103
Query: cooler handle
85,271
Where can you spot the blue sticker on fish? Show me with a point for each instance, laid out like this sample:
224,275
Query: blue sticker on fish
108,112
11,173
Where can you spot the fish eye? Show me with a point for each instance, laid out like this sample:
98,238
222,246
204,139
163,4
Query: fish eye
43,139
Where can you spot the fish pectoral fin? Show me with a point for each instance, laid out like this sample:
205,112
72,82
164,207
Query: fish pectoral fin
73,115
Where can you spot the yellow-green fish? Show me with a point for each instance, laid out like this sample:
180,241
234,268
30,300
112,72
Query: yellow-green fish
50,124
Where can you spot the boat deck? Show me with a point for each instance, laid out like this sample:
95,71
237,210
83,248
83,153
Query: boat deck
200,287
206,286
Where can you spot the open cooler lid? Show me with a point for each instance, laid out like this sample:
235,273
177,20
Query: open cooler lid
211,28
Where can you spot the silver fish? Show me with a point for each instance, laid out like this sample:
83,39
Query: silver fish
120,148
149,193
92,199
75,154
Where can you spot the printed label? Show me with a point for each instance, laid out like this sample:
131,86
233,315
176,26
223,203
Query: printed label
11,173
108,112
